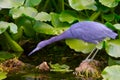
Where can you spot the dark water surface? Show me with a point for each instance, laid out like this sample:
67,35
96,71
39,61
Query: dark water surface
44,76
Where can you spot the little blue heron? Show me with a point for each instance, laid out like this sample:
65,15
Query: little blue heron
88,31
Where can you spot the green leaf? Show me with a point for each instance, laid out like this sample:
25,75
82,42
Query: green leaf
113,61
13,28
59,30
42,27
82,4
11,3
13,45
109,25
109,3
27,11
95,15
3,75
113,48
117,26
60,68
18,35
4,57
56,22
43,16
68,16
3,26
79,45
32,3
108,17
59,26
111,73
25,25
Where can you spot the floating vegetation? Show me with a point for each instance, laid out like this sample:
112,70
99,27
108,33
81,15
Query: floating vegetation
88,69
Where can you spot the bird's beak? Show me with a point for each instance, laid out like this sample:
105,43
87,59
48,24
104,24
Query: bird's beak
34,50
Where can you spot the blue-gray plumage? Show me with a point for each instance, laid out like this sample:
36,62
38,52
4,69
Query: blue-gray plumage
88,31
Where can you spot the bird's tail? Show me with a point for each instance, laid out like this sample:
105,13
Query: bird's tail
113,35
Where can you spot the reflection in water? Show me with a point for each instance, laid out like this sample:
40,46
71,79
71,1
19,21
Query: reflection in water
44,76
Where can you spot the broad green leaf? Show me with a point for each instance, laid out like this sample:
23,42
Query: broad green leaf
45,28
3,75
113,61
108,17
13,28
109,3
117,17
56,22
59,30
82,4
27,11
5,55
18,35
43,16
60,68
117,26
32,3
68,16
100,45
3,26
113,48
102,8
59,26
25,25
79,45
11,3
110,25
111,73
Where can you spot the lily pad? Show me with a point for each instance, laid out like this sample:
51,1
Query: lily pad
113,48
111,73
60,68
83,4
13,27
68,16
109,3
42,27
5,25
27,11
11,3
32,3
43,16
117,26
56,21
80,46
3,75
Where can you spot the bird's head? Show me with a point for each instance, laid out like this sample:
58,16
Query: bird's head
39,46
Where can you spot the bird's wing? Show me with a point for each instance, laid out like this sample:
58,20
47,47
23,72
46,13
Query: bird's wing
88,33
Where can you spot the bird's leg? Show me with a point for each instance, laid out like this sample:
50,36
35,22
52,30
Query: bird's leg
90,55
94,54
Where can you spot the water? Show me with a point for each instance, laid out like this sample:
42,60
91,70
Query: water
43,76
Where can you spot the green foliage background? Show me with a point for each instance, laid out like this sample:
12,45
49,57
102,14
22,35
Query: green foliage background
27,19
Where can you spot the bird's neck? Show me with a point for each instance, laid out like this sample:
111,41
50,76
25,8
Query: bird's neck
64,35
55,39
